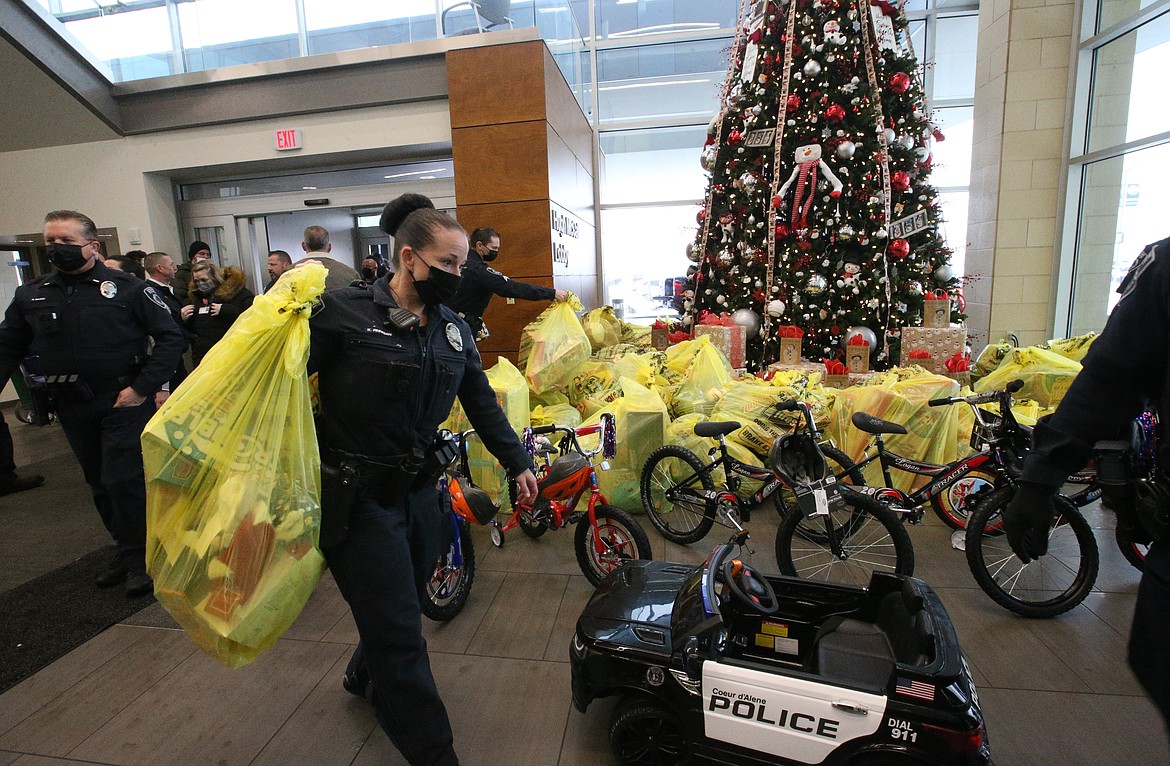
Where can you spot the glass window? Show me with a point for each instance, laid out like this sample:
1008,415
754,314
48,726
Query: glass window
954,57
1110,12
954,227
951,166
644,248
218,33
134,43
672,80
652,165
1122,209
340,25
634,18
1127,72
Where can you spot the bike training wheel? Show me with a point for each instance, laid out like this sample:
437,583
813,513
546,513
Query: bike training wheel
867,536
622,538
529,524
1134,553
1046,587
845,471
646,733
671,494
450,585
954,504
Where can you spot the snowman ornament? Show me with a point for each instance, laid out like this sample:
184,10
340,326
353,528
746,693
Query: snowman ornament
804,176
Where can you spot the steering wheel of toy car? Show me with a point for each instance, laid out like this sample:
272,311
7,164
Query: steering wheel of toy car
750,588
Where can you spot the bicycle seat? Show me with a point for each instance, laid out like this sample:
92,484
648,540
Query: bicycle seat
874,425
720,428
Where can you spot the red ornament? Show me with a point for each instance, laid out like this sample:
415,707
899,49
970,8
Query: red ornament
734,137
899,82
777,202
701,216
900,180
759,296
793,102
782,231
835,113
899,248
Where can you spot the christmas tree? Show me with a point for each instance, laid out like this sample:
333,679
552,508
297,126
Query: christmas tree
819,213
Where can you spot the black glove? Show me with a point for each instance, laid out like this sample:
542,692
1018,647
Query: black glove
1028,519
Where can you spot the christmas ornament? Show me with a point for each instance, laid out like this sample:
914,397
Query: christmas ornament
812,68
914,287
899,82
845,232
845,149
775,308
888,136
793,103
943,273
899,248
866,334
707,158
808,162
835,113
906,142
693,252
782,231
900,180
816,285
748,320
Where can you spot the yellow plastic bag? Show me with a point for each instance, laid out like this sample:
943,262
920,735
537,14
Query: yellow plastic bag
707,377
233,481
750,401
1073,348
552,346
556,415
512,395
989,358
1046,375
594,384
640,418
602,326
637,334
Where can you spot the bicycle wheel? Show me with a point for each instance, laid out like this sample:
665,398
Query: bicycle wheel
952,504
849,545
846,472
671,494
1046,587
532,521
450,584
622,538
1134,553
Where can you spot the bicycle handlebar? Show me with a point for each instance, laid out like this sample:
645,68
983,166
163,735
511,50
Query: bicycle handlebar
985,398
940,402
542,430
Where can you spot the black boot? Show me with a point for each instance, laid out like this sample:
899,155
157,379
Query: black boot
20,483
114,574
356,679
139,584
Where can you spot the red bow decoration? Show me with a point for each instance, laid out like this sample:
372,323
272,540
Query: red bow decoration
660,324
960,362
678,336
789,331
937,295
920,354
887,9
835,367
857,340
709,318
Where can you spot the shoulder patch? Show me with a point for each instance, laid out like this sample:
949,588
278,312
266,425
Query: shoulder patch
498,274
1136,269
155,298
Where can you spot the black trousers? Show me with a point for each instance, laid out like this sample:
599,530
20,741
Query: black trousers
7,457
1149,638
106,441
381,568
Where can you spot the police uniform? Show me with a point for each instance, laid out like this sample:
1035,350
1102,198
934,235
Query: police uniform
480,282
86,336
1126,368
383,392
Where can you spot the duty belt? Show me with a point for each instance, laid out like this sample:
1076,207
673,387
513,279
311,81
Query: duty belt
388,477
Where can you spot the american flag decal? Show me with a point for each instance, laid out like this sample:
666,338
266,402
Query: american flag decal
919,689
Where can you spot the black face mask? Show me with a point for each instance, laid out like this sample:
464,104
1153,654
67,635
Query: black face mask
66,257
369,274
439,286
491,255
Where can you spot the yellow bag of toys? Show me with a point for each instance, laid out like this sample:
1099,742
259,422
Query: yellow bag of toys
989,358
637,334
602,327
553,345
556,415
594,384
1073,348
640,418
512,394
233,481
1046,375
705,380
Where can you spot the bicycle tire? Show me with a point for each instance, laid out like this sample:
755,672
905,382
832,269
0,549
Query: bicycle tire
1134,553
870,536
680,522
844,470
530,526
622,535
1046,587
450,587
951,504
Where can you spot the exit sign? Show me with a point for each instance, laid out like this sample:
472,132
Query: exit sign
286,140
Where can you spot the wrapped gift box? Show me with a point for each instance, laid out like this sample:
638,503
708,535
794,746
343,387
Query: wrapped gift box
936,312
940,342
658,338
730,339
837,381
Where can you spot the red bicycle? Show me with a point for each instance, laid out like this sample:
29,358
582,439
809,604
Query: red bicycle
606,535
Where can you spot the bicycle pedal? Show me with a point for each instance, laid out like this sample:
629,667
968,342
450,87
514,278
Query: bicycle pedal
573,517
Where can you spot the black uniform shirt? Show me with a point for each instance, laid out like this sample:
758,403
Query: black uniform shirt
1126,367
93,325
480,282
384,392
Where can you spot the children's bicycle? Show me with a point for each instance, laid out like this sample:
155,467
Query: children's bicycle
606,535
679,491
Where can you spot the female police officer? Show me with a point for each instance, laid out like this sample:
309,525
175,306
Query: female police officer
380,523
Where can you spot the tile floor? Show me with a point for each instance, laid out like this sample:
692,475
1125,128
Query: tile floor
1054,691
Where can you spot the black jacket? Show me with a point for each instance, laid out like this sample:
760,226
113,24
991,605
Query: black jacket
480,282
1126,367
95,326
166,292
207,330
384,392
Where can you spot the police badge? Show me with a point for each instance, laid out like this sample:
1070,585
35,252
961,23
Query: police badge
108,289
454,337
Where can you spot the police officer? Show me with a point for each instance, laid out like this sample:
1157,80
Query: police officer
380,508
84,330
480,282
1127,367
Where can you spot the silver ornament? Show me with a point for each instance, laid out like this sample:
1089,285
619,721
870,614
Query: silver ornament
707,158
943,273
775,307
866,334
812,68
748,320
888,136
845,149
907,142
693,252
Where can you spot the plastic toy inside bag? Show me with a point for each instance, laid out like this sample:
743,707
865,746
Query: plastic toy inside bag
553,345
233,481
640,418
512,395
602,326
704,381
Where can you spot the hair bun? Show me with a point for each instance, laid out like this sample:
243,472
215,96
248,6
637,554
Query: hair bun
399,208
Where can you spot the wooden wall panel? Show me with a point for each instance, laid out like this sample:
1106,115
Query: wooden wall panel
497,83
525,235
506,320
500,163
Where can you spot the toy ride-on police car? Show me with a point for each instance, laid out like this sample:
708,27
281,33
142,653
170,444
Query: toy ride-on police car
722,662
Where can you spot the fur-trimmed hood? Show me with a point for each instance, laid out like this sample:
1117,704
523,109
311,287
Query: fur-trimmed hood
233,282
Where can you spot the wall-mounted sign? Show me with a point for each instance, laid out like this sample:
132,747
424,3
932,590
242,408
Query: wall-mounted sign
572,242
287,140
